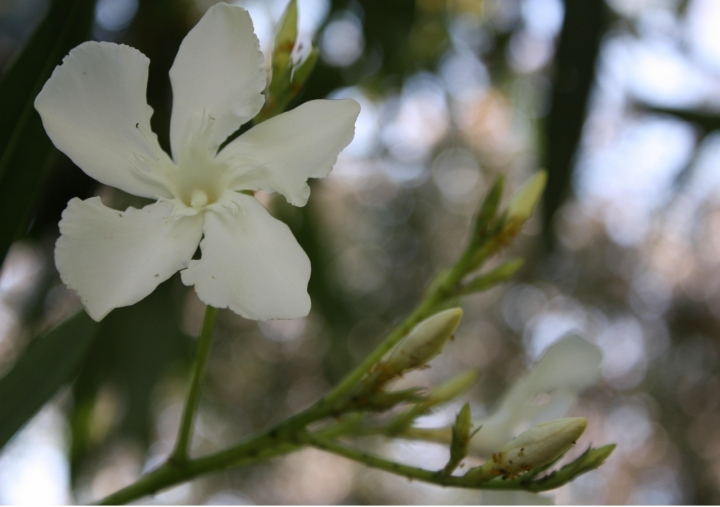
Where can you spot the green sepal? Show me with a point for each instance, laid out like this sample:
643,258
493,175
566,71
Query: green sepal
303,70
385,400
487,212
497,276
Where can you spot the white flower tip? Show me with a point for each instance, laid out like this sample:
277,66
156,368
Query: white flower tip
539,445
526,198
425,341
572,364
353,107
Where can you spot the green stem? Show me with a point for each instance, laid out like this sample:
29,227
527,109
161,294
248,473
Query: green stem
439,294
182,445
263,447
172,473
420,474
284,438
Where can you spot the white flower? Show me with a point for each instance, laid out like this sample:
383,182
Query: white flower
568,367
94,110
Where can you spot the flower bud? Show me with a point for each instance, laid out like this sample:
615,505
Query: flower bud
424,342
461,433
537,446
452,388
285,37
526,198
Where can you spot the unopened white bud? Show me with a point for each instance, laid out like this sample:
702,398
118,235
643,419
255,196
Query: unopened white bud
526,198
424,342
537,446
452,388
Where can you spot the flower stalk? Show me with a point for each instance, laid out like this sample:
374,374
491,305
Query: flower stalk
184,439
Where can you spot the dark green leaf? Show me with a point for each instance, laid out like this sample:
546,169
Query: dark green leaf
134,349
49,362
25,150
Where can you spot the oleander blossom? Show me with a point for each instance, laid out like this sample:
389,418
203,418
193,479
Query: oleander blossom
546,392
94,109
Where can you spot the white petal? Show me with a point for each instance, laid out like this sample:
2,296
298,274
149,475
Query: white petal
568,367
93,108
114,258
251,263
280,154
219,73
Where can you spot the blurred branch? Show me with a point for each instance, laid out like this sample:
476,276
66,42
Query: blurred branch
707,121
575,61
588,461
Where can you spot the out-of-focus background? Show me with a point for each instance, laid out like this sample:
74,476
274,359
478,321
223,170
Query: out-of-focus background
618,99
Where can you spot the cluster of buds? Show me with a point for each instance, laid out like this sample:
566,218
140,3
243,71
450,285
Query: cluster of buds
288,72
534,450
494,229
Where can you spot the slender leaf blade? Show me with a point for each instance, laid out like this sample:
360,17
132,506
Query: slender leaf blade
25,150
48,362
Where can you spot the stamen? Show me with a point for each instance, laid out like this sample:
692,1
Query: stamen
198,198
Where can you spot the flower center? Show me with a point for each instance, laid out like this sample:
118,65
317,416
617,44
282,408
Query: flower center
198,179
198,198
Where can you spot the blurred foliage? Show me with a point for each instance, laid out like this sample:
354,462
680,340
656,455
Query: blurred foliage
48,363
574,75
25,150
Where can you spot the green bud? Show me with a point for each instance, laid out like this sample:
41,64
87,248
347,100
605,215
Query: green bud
452,388
285,37
280,91
536,447
526,198
461,433
424,342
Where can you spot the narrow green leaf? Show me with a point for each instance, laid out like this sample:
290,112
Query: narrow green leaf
49,362
25,150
